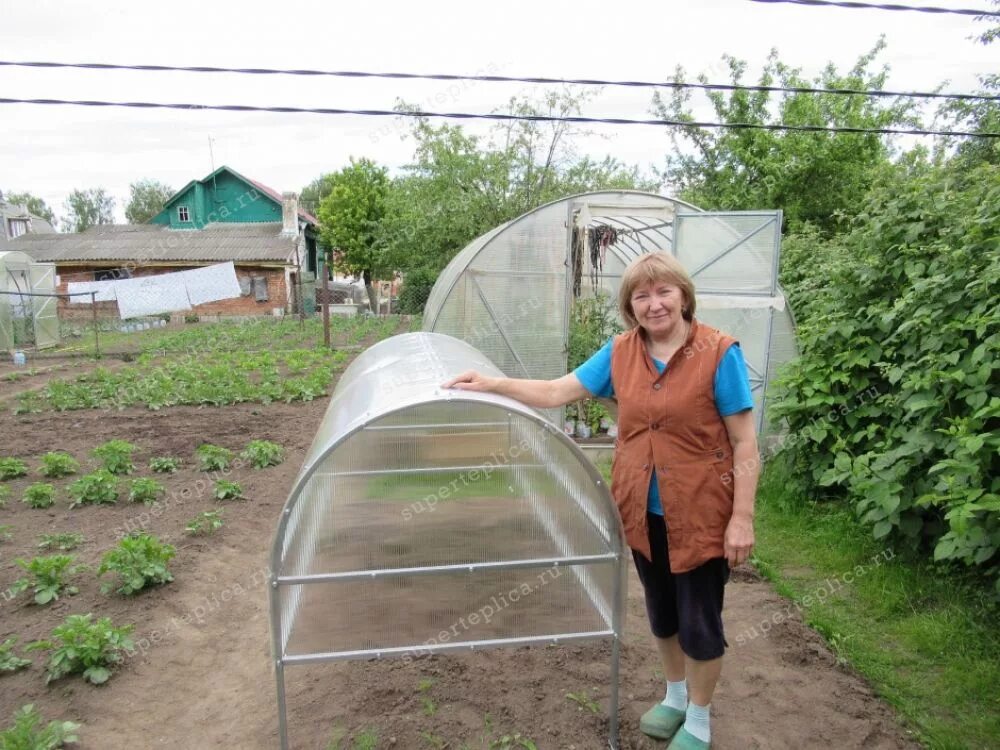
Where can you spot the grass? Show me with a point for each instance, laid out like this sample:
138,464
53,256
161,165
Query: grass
926,637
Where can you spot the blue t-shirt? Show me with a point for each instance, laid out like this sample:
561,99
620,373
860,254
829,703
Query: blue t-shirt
732,391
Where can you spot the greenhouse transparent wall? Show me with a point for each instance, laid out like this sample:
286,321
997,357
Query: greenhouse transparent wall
509,292
467,512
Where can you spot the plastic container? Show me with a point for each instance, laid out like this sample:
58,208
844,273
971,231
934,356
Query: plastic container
19,359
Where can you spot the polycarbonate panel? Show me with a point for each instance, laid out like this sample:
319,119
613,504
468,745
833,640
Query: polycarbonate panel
783,349
410,612
730,252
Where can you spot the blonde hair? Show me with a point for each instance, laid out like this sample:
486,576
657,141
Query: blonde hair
654,267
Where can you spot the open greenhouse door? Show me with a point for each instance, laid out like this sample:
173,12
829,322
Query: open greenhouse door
732,257
42,277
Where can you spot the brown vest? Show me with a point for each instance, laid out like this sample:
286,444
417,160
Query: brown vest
669,424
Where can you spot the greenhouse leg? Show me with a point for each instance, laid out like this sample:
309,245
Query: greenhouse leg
613,699
279,672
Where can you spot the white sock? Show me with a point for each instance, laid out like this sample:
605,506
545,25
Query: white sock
697,722
677,695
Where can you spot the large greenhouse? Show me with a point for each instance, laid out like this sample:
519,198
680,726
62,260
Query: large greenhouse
510,291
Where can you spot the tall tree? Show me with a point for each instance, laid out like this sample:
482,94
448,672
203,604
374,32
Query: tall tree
146,200
35,205
87,208
981,116
350,220
314,193
814,177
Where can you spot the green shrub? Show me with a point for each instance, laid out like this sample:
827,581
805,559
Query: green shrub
99,488
39,495
58,464
9,661
593,320
417,285
140,560
116,456
164,465
12,468
261,453
26,733
64,542
4,495
81,646
47,577
228,490
205,523
145,491
213,457
5,534
891,404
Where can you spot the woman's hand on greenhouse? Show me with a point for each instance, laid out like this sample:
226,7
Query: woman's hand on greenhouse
470,381
739,540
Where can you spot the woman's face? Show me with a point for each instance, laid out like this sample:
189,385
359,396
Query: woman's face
657,306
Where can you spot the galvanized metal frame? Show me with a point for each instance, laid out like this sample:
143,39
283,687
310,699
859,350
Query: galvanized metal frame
615,555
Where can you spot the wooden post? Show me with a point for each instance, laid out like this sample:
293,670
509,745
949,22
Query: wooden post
326,306
97,338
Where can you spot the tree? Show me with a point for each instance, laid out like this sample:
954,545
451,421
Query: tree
813,177
314,193
459,186
350,220
981,116
35,205
87,208
147,200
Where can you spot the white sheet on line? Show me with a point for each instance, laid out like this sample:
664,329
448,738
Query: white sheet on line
151,295
105,291
211,283
168,292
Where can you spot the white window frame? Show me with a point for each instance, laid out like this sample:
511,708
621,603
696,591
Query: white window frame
183,214
23,224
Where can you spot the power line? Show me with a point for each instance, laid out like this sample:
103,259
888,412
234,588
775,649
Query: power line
888,6
503,117
500,79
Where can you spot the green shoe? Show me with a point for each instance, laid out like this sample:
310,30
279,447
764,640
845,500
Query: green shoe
661,721
684,740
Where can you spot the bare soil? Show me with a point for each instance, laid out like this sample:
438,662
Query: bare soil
202,675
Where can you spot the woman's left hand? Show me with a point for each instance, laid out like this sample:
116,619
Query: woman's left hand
739,540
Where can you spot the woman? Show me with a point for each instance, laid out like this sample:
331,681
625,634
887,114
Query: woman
684,421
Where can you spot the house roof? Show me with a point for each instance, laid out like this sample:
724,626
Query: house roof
240,243
269,191
18,211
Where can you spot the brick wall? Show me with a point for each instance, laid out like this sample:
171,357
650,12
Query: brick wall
277,292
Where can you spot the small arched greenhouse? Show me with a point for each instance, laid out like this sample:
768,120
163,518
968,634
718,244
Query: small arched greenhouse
427,521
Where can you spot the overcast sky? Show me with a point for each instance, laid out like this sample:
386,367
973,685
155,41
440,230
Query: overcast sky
51,150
